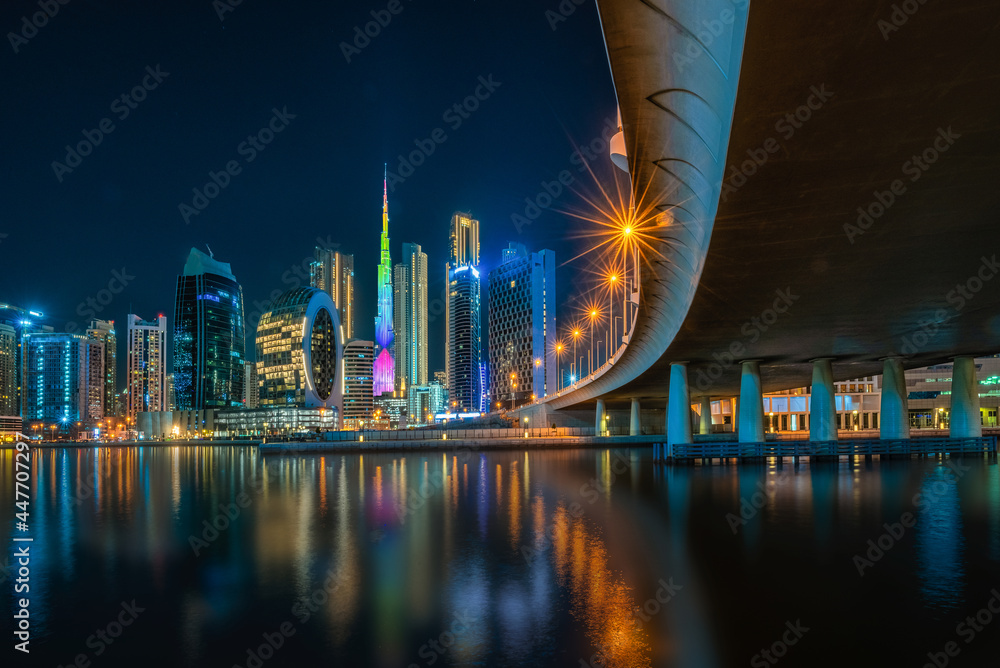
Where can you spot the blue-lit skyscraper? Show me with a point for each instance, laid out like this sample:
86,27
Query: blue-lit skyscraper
522,327
209,337
464,343
63,377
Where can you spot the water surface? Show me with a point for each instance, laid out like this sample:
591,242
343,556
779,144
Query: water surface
558,558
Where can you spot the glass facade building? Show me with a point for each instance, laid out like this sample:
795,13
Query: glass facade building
522,327
465,381
209,336
64,378
299,351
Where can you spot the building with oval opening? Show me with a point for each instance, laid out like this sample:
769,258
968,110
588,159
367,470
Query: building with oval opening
299,352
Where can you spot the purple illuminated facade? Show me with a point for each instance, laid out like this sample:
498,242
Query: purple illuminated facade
385,365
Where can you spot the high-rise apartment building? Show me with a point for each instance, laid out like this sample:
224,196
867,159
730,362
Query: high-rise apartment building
147,366
104,331
8,371
333,272
463,345
522,327
251,391
359,361
410,302
63,378
209,337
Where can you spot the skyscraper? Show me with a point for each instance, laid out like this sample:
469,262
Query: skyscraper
385,367
8,371
464,336
464,240
64,377
147,366
359,361
410,289
522,326
251,391
104,331
209,343
298,351
333,272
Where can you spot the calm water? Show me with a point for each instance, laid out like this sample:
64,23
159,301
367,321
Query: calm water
501,559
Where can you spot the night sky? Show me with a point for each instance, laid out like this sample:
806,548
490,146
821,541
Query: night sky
321,176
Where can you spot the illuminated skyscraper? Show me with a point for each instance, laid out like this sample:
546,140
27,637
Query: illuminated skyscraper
8,371
522,326
63,378
385,366
463,353
333,272
209,343
410,288
359,359
147,366
104,331
298,351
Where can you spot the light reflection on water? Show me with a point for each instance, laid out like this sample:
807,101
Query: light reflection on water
506,558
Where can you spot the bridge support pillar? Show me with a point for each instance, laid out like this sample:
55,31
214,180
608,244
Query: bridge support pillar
634,425
823,407
706,415
599,421
678,407
894,416
965,419
751,405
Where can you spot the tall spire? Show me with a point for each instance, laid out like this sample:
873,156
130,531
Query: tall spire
385,200
385,364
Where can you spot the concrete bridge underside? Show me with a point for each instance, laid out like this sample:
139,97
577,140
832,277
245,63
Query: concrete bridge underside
826,178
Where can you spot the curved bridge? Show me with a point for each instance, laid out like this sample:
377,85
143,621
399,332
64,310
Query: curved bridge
826,180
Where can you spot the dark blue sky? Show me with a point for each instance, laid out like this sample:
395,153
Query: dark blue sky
320,178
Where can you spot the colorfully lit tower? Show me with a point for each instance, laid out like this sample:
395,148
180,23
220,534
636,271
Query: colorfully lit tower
385,366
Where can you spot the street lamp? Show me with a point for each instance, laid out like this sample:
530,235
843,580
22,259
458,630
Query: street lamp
576,336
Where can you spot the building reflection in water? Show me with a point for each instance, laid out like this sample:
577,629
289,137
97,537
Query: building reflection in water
509,556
